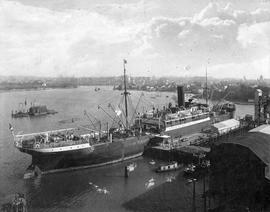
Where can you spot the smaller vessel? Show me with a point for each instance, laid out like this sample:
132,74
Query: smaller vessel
190,169
19,114
150,183
169,167
40,110
18,204
131,167
35,110
170,179
152,162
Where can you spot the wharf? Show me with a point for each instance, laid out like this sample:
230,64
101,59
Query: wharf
189,148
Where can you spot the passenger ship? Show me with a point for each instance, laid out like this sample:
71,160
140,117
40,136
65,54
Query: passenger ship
184,118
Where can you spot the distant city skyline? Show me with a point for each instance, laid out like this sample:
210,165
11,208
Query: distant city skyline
157,38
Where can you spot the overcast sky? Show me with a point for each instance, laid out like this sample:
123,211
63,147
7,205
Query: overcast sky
156,37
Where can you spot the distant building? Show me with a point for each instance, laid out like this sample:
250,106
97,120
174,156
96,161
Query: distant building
262,107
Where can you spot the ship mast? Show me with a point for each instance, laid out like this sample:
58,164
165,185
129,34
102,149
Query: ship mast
125,92
206,88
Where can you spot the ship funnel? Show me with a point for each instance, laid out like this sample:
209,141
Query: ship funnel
180,96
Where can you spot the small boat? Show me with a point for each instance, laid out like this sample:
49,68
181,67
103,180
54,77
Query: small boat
170,179
105,191
19,114
150,183
190,169
40,110
152,180
32,111
169,167
131,167
99,190
152,162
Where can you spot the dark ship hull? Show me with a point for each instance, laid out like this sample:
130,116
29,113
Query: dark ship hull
97,155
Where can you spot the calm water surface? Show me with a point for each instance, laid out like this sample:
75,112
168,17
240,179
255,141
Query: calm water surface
72,191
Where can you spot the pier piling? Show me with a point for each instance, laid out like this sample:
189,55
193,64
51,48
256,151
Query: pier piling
126,172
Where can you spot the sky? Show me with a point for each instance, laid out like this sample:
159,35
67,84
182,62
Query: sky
83,38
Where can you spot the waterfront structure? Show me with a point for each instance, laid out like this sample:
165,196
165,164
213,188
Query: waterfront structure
262,107
240,169
225,126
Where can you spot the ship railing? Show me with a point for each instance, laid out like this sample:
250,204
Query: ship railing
185,119
59,144
45,132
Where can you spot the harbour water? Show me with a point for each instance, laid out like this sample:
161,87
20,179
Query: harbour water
99,189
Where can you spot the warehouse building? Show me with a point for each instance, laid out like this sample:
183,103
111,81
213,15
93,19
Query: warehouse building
240,172
224,127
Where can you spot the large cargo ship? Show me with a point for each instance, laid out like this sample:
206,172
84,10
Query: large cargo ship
82,147
74,148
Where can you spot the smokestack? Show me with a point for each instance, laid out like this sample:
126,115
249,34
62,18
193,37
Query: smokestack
180,96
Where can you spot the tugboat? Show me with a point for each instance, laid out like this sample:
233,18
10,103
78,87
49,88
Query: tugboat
169,167
40,110
34,110
19,114
81,147
190,169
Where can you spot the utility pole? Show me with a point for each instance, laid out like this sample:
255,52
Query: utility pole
194,196
204,194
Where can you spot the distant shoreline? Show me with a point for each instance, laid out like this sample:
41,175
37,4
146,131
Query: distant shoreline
48,88
32,89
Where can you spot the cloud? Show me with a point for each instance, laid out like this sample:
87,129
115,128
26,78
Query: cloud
83,42
221,34
256,35
39,41
249,69
124,12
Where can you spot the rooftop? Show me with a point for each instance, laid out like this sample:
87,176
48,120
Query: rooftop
226,124
258,141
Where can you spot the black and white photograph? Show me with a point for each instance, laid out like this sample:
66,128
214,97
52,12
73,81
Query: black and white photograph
135,105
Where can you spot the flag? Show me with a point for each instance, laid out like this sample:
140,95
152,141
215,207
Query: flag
10,127
125,61
118,111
